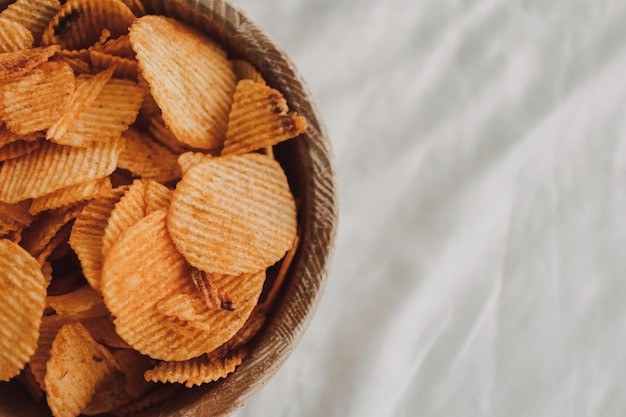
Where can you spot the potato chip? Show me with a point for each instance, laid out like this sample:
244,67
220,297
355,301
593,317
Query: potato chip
143,269
196,371
45,227
18,148
233,215
23,177
78,365
16,213
18,63
23,289
36,100
88,88
133,364
183,66
110,114
79,23
119,47
259,117
211,294
14,36
148,159
151,398
83,303
79,64
86,236
109,395
129,210
124,67
159,131
50,326
188,160
157,196
32,14
272,294
103,331
244,70
70,195
136,6
247,332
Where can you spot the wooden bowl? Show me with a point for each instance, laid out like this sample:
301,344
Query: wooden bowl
307,160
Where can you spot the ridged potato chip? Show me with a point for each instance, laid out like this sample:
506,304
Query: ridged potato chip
142,270
182,66
148,159
32,14
70,195
22,177
86,236
18,63
129,210
259,117
35,101
197,371
233,215
157,196
14,36
23,290
18,148
79,23
77,367
124,67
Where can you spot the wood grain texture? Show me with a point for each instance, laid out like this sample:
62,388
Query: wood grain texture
308,162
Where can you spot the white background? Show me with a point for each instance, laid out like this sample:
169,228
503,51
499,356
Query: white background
480,263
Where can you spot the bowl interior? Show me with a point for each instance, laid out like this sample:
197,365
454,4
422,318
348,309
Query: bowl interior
307,160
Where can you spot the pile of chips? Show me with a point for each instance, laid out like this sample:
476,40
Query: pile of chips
141,206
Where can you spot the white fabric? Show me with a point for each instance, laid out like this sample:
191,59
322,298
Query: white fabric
480,263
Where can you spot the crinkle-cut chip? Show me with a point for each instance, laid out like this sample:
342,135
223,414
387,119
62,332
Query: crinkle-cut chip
79,23
52,167
15,64
33,14
109,395
78,365
71,195
50,326
57,241
233,215
244,70
209,292
14,36
35,101
259,117
86,236
136,6
79,64
103,331
18,212
142,270
185,310
183,66
197,371
153,397
87,90
188,160
125,68
159,131
146,158
80,304
119,46
109,115
157,196
46,226
23,290
18,148
129,210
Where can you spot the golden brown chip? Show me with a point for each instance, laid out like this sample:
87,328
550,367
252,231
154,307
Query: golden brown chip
259,117
124,67
119,47
80,304
157,196
79,23
159,131
18,63
211,294
86,236
197,371
18,148
36,100
188,160
113,110
134,364
88,88
103,331
277,283
33,14
45,227
14,36
48,330
109,395
148,159
77,367
63,166
136,6
183,66
129,210
142,270
233,215
250,329
246,71
71,195
23,290
14,218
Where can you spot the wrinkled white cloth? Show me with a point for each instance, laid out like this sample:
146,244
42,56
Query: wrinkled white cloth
480,265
